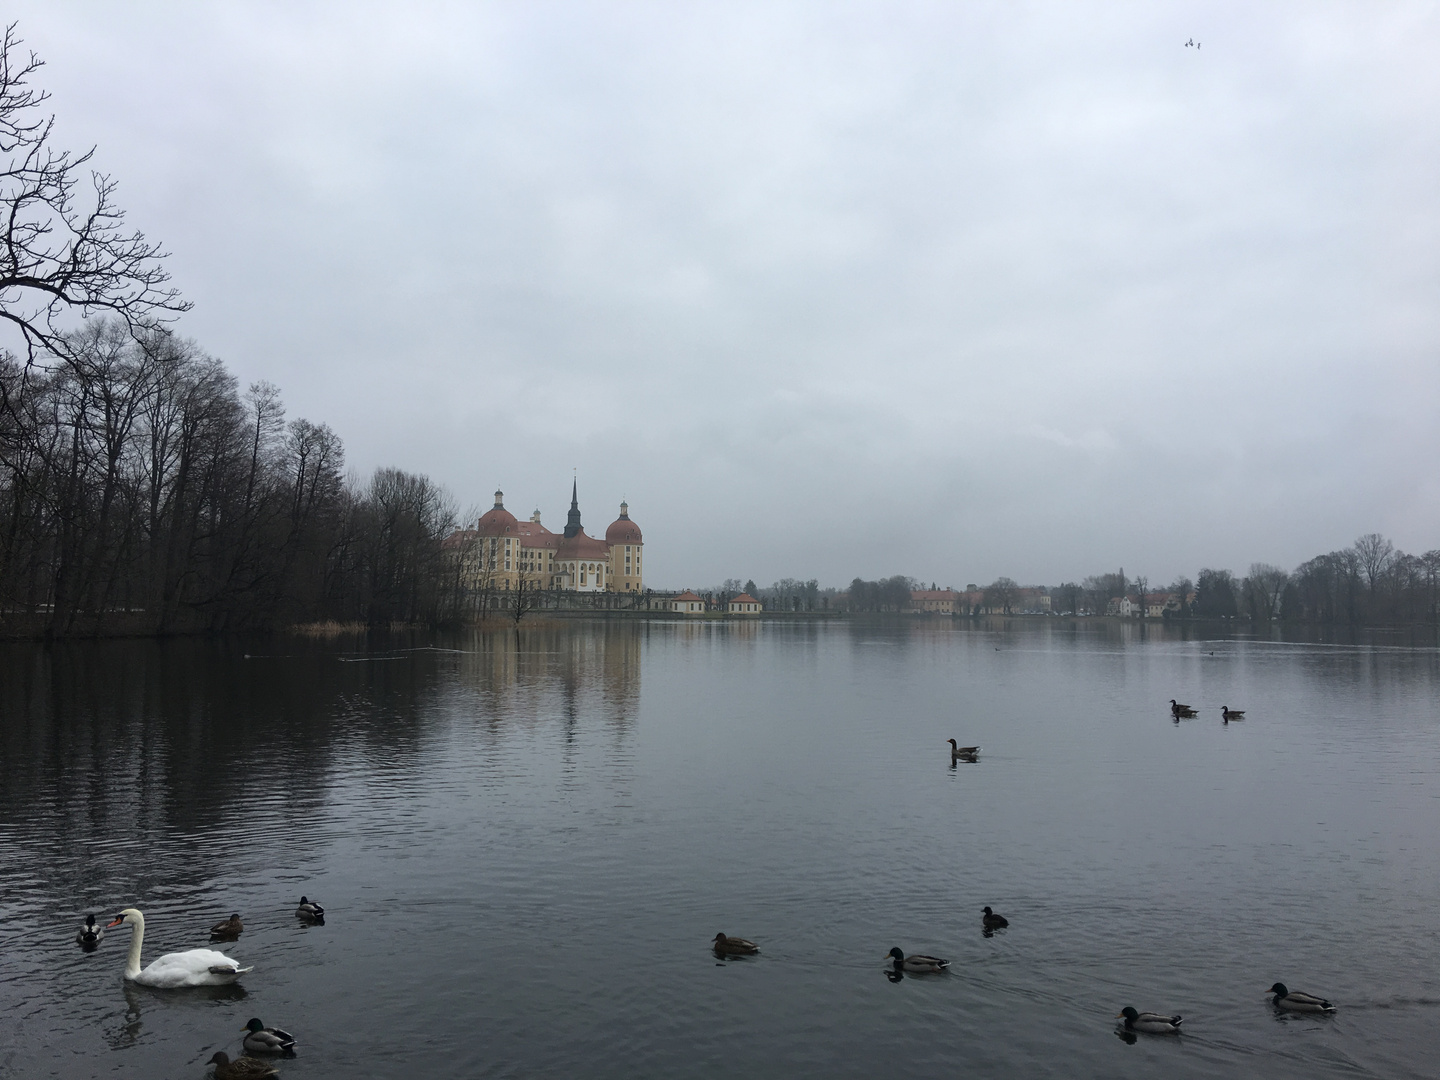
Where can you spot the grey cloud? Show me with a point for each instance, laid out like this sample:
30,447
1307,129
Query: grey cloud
957,292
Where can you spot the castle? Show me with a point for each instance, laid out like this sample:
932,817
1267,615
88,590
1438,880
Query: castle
509,550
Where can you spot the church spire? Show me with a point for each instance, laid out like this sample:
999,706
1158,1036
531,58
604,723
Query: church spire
572,524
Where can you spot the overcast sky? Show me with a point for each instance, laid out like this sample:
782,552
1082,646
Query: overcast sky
825,289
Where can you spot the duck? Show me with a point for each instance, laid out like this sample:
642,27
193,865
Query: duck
962,753
737,946
1294,1001
194,967
262,1040
230,928
1154,1023
244,1068
993,921
916,962
308,909
1177,709
1231,714
89,935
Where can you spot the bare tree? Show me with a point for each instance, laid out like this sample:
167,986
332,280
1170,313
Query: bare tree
64,253
1374,553
526,597
1263,587
1000,594
1430,563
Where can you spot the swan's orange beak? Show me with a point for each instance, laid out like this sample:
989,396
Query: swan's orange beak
117,922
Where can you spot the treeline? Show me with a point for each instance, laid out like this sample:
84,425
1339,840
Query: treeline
887,594
1370,583
787,594
140,490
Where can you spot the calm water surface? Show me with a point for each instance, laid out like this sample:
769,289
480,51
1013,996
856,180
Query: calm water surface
525,841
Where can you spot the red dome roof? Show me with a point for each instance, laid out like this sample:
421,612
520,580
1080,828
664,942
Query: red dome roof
497,521
623,531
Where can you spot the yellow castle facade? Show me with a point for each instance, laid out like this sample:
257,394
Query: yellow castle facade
504,551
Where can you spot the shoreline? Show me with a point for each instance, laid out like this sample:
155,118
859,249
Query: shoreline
133,628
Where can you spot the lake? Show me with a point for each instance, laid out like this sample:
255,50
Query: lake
526,840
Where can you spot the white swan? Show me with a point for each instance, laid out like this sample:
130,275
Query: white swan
194,967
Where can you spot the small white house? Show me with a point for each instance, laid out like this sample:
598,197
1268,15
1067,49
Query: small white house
687,603
744,604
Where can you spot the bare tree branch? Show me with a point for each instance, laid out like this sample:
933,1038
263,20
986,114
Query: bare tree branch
65,253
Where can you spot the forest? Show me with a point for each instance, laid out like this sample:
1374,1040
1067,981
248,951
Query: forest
141,491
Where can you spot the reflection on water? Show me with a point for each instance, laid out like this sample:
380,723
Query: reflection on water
513,828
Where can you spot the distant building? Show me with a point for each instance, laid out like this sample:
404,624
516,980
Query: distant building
1159,605
940,601
1031,601
687,603
744,604
508,550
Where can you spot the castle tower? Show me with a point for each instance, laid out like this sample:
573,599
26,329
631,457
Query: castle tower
572,524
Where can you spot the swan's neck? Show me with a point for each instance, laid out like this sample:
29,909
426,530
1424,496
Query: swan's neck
137,935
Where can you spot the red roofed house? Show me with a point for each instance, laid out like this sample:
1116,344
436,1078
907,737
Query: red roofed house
687,603
744,604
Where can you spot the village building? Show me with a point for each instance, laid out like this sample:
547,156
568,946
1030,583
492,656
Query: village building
501,551
744,604
687,603
938,601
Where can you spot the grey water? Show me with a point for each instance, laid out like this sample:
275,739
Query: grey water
525,841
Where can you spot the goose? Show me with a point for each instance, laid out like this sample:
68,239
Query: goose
1180,710
1295,1001
993,921
230,928
737,946
245,1068
89,935
916,962
1154,1023
262,1040
194,967
1231,714
308,909
962,753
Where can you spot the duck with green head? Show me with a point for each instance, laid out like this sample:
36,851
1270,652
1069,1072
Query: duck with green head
1152,1023
917,962
262,1040
1295,1001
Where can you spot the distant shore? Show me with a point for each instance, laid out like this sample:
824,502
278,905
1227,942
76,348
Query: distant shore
22,627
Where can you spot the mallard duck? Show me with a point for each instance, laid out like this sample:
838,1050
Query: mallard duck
962,753
245,1068
1295,1001
917,962
737,946
89,935
1154,1023
993,921
230,928
1231,714
262,1040
308,909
